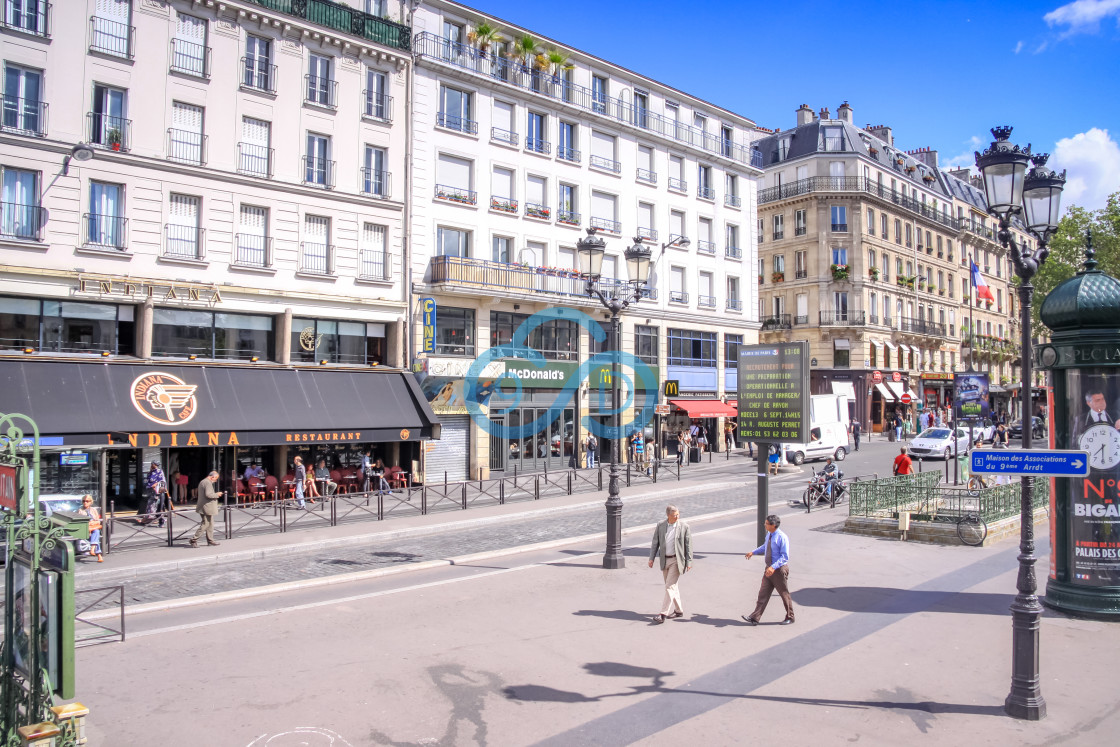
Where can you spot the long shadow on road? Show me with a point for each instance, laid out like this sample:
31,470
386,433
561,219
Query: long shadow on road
866,598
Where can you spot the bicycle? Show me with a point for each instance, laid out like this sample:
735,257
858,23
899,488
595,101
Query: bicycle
976,483
972,530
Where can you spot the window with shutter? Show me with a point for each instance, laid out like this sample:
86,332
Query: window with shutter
454,172
111,33
252,237
254,154
603,150
502,185
373,263
536,189
188,48
183,228
315,250
185,135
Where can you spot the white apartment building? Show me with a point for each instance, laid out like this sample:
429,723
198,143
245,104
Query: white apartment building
215,189
514,156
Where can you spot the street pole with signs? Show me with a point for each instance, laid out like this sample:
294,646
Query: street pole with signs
773,405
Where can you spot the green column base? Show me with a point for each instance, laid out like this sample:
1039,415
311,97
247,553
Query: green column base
1102,602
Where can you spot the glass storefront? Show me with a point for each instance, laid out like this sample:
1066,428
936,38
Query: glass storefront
66,326
179,333
356,343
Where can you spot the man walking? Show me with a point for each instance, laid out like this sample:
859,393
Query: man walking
897,426
301,479
672,542
592,446
776,575
903,464
856,430
208,496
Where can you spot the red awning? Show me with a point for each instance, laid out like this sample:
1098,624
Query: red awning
705,408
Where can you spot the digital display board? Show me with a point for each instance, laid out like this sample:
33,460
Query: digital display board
774,392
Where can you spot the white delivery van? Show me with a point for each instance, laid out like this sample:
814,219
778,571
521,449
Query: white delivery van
828,431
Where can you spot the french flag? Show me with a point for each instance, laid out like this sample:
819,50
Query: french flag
982,289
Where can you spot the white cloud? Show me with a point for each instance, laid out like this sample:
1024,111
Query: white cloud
1041,48
1083,16
967,159
1018,47
1092,162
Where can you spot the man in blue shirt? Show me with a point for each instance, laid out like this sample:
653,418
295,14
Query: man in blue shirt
776,548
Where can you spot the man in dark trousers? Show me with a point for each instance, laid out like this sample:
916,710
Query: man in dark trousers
856,429
776,575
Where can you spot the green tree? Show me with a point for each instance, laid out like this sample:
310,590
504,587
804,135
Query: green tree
1067,248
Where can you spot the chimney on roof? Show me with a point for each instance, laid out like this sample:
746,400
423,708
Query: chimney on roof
844,113
965,174
977,181
825,114
882,132
926,156
804,115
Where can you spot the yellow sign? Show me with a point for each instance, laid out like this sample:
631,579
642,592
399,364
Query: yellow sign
163,398
673,388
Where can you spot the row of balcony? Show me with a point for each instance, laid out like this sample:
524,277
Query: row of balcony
906,325
480,273
512,72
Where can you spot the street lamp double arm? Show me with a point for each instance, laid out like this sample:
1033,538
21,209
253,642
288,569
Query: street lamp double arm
615,297
1010,191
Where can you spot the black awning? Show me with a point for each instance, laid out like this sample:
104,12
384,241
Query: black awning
84,402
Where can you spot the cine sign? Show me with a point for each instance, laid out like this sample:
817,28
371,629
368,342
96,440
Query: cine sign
774,392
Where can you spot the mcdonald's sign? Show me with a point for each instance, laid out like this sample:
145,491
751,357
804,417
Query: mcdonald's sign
673,388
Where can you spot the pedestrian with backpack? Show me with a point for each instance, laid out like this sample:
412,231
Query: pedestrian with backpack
592,446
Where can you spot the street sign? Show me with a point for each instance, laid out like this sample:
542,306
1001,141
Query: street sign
662,409
877,377
896,376
1047,463
906,398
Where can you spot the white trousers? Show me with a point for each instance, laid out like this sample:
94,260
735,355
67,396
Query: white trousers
672,594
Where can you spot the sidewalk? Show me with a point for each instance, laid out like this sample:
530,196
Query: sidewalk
894,643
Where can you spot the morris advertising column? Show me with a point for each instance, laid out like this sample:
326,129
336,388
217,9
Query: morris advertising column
1084,361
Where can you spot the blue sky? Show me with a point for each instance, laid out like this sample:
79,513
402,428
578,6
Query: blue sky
939,73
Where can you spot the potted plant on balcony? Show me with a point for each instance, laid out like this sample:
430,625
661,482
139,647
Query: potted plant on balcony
505,206
482,36
873,150
777,277
113,138
965,298
761,280
839,272
873,273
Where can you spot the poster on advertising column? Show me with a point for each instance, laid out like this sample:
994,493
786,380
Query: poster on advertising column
971,398
1094,524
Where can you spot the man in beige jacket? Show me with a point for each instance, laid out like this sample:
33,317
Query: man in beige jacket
207,508
672,541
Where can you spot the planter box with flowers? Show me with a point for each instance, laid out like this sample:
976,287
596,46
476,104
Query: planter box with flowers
451,194
537,211
873,151
503,205
873,273
904,282
761,280
777,277
839,272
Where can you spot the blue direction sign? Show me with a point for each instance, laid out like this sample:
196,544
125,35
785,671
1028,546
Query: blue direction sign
1048,463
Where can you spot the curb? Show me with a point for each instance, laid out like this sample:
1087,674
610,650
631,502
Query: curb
107,575
344,578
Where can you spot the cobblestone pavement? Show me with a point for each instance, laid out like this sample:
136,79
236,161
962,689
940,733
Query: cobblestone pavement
392,552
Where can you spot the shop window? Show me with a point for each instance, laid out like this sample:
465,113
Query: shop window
180,333
731,345
454,331
557,339
66,326
595,346
354,343
646,344
692,348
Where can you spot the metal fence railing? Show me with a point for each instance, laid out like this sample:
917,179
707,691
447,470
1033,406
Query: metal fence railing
926,499
890,494
90,629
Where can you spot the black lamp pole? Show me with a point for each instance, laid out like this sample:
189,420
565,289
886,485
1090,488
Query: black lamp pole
615,297
1009,190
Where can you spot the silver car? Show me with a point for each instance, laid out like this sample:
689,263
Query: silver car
939,443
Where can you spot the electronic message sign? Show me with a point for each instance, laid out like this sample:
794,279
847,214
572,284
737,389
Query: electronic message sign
774,392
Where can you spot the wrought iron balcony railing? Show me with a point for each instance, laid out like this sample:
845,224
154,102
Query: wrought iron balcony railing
114,133
708,302
320,91
25,116
374,264
503,136
800,274
21,221
568,217
432,47
252,250
843,318
184,146
733,252
799,231
734,304
254,160
536,210
110,37
376,183
568,154
455,194
190,58
801,319
705,193
921,327
776,322
706,247
840,227
316,258
647,233
536,145
678,185
733,200
678,296
347,20
457,123
647,176
27,16
318,172
778,235
184,242
503,204
465,272
257,75
606,164
606,224
855,184
377,106
105,231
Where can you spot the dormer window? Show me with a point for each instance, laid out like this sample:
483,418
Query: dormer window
833,139
783,148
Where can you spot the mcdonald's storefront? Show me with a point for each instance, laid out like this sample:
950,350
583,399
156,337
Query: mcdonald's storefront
102,424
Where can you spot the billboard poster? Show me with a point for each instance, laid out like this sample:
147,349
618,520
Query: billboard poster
1094,517
774,392
971,397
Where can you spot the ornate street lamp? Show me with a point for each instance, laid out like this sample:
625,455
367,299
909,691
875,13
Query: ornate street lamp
615,296
1011,191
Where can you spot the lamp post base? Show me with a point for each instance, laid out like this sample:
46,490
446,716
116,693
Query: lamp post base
1027,709
613,558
